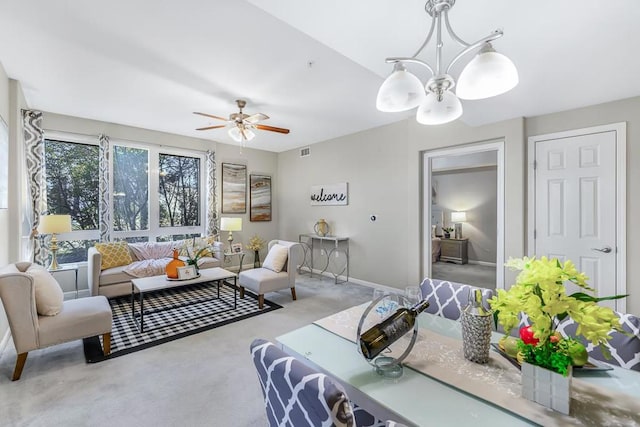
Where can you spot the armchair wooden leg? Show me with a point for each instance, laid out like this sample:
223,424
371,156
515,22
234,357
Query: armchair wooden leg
241,292
260,301
20,361
106,343
293,293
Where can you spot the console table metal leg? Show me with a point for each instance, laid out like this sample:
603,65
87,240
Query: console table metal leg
141,312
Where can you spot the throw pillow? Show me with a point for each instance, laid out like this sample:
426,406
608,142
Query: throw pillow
276,258
114,254
48,292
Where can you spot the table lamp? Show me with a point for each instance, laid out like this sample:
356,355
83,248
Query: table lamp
54,224
231,225
458,218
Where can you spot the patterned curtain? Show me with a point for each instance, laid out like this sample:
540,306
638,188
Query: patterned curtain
34,157
104,181
212,205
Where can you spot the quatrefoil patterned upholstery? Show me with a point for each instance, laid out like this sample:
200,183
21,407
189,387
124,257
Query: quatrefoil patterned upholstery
624,349
448,299
295,395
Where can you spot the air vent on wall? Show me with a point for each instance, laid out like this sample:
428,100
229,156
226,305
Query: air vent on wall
305,152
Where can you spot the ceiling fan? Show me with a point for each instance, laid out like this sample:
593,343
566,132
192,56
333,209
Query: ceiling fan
242,125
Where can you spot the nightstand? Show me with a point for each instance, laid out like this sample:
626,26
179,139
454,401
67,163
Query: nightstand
454,250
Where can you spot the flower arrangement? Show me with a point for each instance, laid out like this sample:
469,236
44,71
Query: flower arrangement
255,243
195,249
539,292
447,229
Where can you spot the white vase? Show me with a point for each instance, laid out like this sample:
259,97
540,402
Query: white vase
546,387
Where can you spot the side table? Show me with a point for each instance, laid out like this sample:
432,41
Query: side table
68,267
240,258
454,250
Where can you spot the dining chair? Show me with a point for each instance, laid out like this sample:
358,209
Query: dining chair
296,395
448,299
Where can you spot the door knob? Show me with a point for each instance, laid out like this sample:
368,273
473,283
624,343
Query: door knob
604,250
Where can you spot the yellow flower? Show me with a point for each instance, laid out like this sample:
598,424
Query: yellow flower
540,293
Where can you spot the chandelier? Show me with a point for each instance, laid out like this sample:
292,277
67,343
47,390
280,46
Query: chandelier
488,74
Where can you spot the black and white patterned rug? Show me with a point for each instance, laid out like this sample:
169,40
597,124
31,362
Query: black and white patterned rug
172,314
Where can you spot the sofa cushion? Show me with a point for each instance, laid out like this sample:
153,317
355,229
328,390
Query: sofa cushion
49,295
153,250
276,258
114,275
114,254
147,267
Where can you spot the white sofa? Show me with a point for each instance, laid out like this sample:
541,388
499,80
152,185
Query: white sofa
116,281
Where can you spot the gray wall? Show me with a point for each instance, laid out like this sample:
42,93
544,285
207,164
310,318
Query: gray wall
383,167
373,163
472,190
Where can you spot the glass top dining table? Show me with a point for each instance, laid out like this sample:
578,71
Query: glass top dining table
415,398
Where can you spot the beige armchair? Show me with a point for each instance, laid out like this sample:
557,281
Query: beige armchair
262,280
80,318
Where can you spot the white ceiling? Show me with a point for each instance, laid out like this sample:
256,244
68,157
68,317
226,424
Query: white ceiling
312,66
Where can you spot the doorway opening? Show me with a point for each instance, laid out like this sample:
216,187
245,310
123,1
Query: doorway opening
463,214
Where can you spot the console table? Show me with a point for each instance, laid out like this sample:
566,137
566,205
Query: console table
337,262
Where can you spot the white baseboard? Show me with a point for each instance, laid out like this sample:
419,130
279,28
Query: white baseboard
5,341
484,263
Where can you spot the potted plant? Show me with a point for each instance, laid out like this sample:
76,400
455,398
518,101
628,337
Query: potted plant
255,244
447,232
195,250
540,293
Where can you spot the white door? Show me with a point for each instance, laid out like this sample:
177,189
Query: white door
576,206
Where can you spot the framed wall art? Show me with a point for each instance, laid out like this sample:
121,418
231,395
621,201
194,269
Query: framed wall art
234,188
260,198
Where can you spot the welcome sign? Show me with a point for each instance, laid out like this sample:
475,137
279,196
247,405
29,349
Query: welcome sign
329,195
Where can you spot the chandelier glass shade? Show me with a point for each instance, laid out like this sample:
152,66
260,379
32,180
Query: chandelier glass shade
487,74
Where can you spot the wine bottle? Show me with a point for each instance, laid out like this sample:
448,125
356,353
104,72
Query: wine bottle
385,333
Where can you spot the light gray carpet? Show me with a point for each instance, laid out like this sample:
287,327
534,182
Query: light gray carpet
470,274
206,379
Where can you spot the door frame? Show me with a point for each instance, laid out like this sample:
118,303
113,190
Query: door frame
494,145
621,196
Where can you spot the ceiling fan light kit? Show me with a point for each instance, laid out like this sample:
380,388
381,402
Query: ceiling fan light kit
488,74
242,125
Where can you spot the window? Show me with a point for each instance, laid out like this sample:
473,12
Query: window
71,174
130,189
157,193
179,191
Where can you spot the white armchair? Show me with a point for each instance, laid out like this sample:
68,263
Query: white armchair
80,318
263,280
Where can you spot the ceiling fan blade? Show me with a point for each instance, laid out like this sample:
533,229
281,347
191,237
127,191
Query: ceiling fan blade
272,128
210,115
255,118
211,127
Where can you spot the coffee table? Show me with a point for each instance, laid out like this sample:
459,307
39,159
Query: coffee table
144,285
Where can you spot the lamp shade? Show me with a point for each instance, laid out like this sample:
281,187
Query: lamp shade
50,224
458,217
434,112
231,224
401,91
488,74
